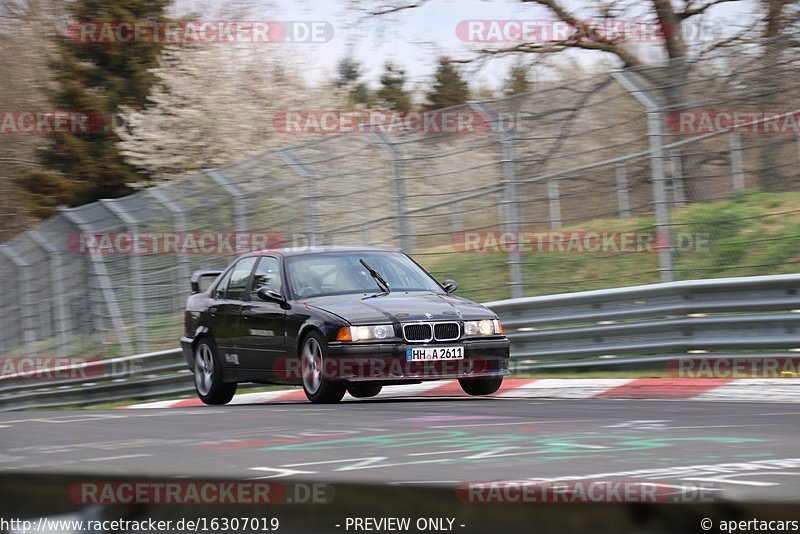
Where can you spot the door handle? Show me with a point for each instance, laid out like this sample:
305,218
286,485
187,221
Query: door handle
212,309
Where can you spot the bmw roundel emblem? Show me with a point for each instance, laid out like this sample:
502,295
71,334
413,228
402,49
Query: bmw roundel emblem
428,315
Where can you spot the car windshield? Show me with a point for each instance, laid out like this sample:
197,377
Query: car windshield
341,273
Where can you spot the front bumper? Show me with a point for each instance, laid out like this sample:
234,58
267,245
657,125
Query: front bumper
386,362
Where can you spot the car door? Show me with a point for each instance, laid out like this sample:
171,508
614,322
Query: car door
225,309
264,323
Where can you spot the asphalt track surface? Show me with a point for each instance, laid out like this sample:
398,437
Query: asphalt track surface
748,451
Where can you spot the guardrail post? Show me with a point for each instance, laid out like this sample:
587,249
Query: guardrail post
622,191
655,133
404,237
239,212
511,217
678,196
27,313
737,170
555,203
57,283
104,282
312,224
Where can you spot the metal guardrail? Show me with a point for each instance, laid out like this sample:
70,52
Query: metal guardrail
660,321
140,376
645,325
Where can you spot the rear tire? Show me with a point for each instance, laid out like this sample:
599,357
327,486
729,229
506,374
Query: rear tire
364,391
317,388
480,386
208,375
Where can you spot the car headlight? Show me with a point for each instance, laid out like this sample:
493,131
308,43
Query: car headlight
486,327
365,333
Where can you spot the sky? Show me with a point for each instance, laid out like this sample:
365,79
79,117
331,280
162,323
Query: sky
415,38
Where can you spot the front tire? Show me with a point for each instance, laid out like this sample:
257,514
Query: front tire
208,375
364,391
317,388
480,386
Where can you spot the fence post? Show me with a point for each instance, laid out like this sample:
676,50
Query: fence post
798,151
511,217
57,280
456,222
736,161
312,225
678,195
404,237
655,133
179,214
622,191
239,213
104,282
136,280
555,203
27,313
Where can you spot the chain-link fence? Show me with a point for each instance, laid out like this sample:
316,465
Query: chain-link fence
627,178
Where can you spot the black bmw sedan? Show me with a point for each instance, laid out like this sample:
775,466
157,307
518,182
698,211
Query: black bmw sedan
336,320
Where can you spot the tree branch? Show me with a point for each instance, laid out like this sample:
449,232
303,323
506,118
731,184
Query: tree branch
388,10
595,42
699,10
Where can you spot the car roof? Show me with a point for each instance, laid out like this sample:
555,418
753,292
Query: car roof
297,251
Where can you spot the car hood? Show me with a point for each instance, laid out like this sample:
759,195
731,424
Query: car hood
401,307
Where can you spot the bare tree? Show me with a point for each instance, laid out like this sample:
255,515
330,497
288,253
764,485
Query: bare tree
769,28
588,31
214,105
779,20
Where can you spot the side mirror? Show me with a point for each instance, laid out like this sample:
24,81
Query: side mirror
449,285
269,295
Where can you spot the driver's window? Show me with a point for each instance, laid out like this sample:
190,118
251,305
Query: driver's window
267,274
239,278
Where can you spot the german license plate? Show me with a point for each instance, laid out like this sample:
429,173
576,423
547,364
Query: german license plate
421,354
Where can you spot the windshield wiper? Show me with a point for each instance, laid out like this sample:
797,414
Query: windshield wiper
384,285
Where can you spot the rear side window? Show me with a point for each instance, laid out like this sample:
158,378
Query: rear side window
240,275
